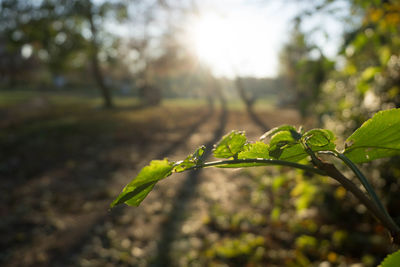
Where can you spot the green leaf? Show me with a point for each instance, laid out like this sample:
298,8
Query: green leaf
192,160
280,141
230,145
134,192
378,137
240,165
320,139
285,145
293,153
275,130
392,260
255,150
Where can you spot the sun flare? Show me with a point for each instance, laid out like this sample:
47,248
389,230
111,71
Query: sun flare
232,45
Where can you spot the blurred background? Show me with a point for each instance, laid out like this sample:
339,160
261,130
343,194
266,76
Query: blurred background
92,90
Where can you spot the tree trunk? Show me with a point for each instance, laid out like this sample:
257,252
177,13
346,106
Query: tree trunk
96,69
99,78
249,102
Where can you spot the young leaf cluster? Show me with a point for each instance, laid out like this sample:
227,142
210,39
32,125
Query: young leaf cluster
377,138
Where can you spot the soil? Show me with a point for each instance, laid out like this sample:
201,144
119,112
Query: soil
62,168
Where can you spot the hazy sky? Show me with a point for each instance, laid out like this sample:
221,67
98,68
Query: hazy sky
245,37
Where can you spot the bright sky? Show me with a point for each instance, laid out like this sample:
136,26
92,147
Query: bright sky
237,37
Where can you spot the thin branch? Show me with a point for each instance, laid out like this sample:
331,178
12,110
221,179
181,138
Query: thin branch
262,162
321,168
387,221
363,180
395,233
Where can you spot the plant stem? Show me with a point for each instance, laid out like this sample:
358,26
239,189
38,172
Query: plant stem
383,217
322,168
363,180
262,162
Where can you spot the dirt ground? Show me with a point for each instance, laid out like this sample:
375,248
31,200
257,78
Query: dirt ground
62,165
61,168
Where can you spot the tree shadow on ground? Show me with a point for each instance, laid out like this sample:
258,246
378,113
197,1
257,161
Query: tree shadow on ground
57,167
185,193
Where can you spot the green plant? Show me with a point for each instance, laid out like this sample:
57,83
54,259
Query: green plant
377,138
391,260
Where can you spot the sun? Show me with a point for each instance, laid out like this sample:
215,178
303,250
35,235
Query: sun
231,45
212,38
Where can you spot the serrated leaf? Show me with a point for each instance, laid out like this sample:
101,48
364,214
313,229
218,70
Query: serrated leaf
230,145
134,192
293,153
255,150
378,137
240,165
282,137
192,160
275,130
277,150
392,260
279,142
320,139
284,145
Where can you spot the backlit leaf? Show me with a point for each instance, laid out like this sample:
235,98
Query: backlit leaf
240,165
278,129
280,141
192,160
378,137
285,146
134,192
320,139
230,145
392,260
293,153
255,150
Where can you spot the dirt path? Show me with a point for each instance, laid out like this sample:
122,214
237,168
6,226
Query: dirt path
184,195
53,216
139,231
65,219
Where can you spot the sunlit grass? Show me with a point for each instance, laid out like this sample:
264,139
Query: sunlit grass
9,98
12,98
266,103
185,102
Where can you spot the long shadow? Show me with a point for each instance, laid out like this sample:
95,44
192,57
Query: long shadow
193,129
257,120
249,103
186,191
58,257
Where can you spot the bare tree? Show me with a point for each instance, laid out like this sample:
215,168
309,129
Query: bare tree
249,103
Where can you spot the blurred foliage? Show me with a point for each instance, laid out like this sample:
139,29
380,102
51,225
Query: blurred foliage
60,44
326,225
58,31
365,79
303,69
368,78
